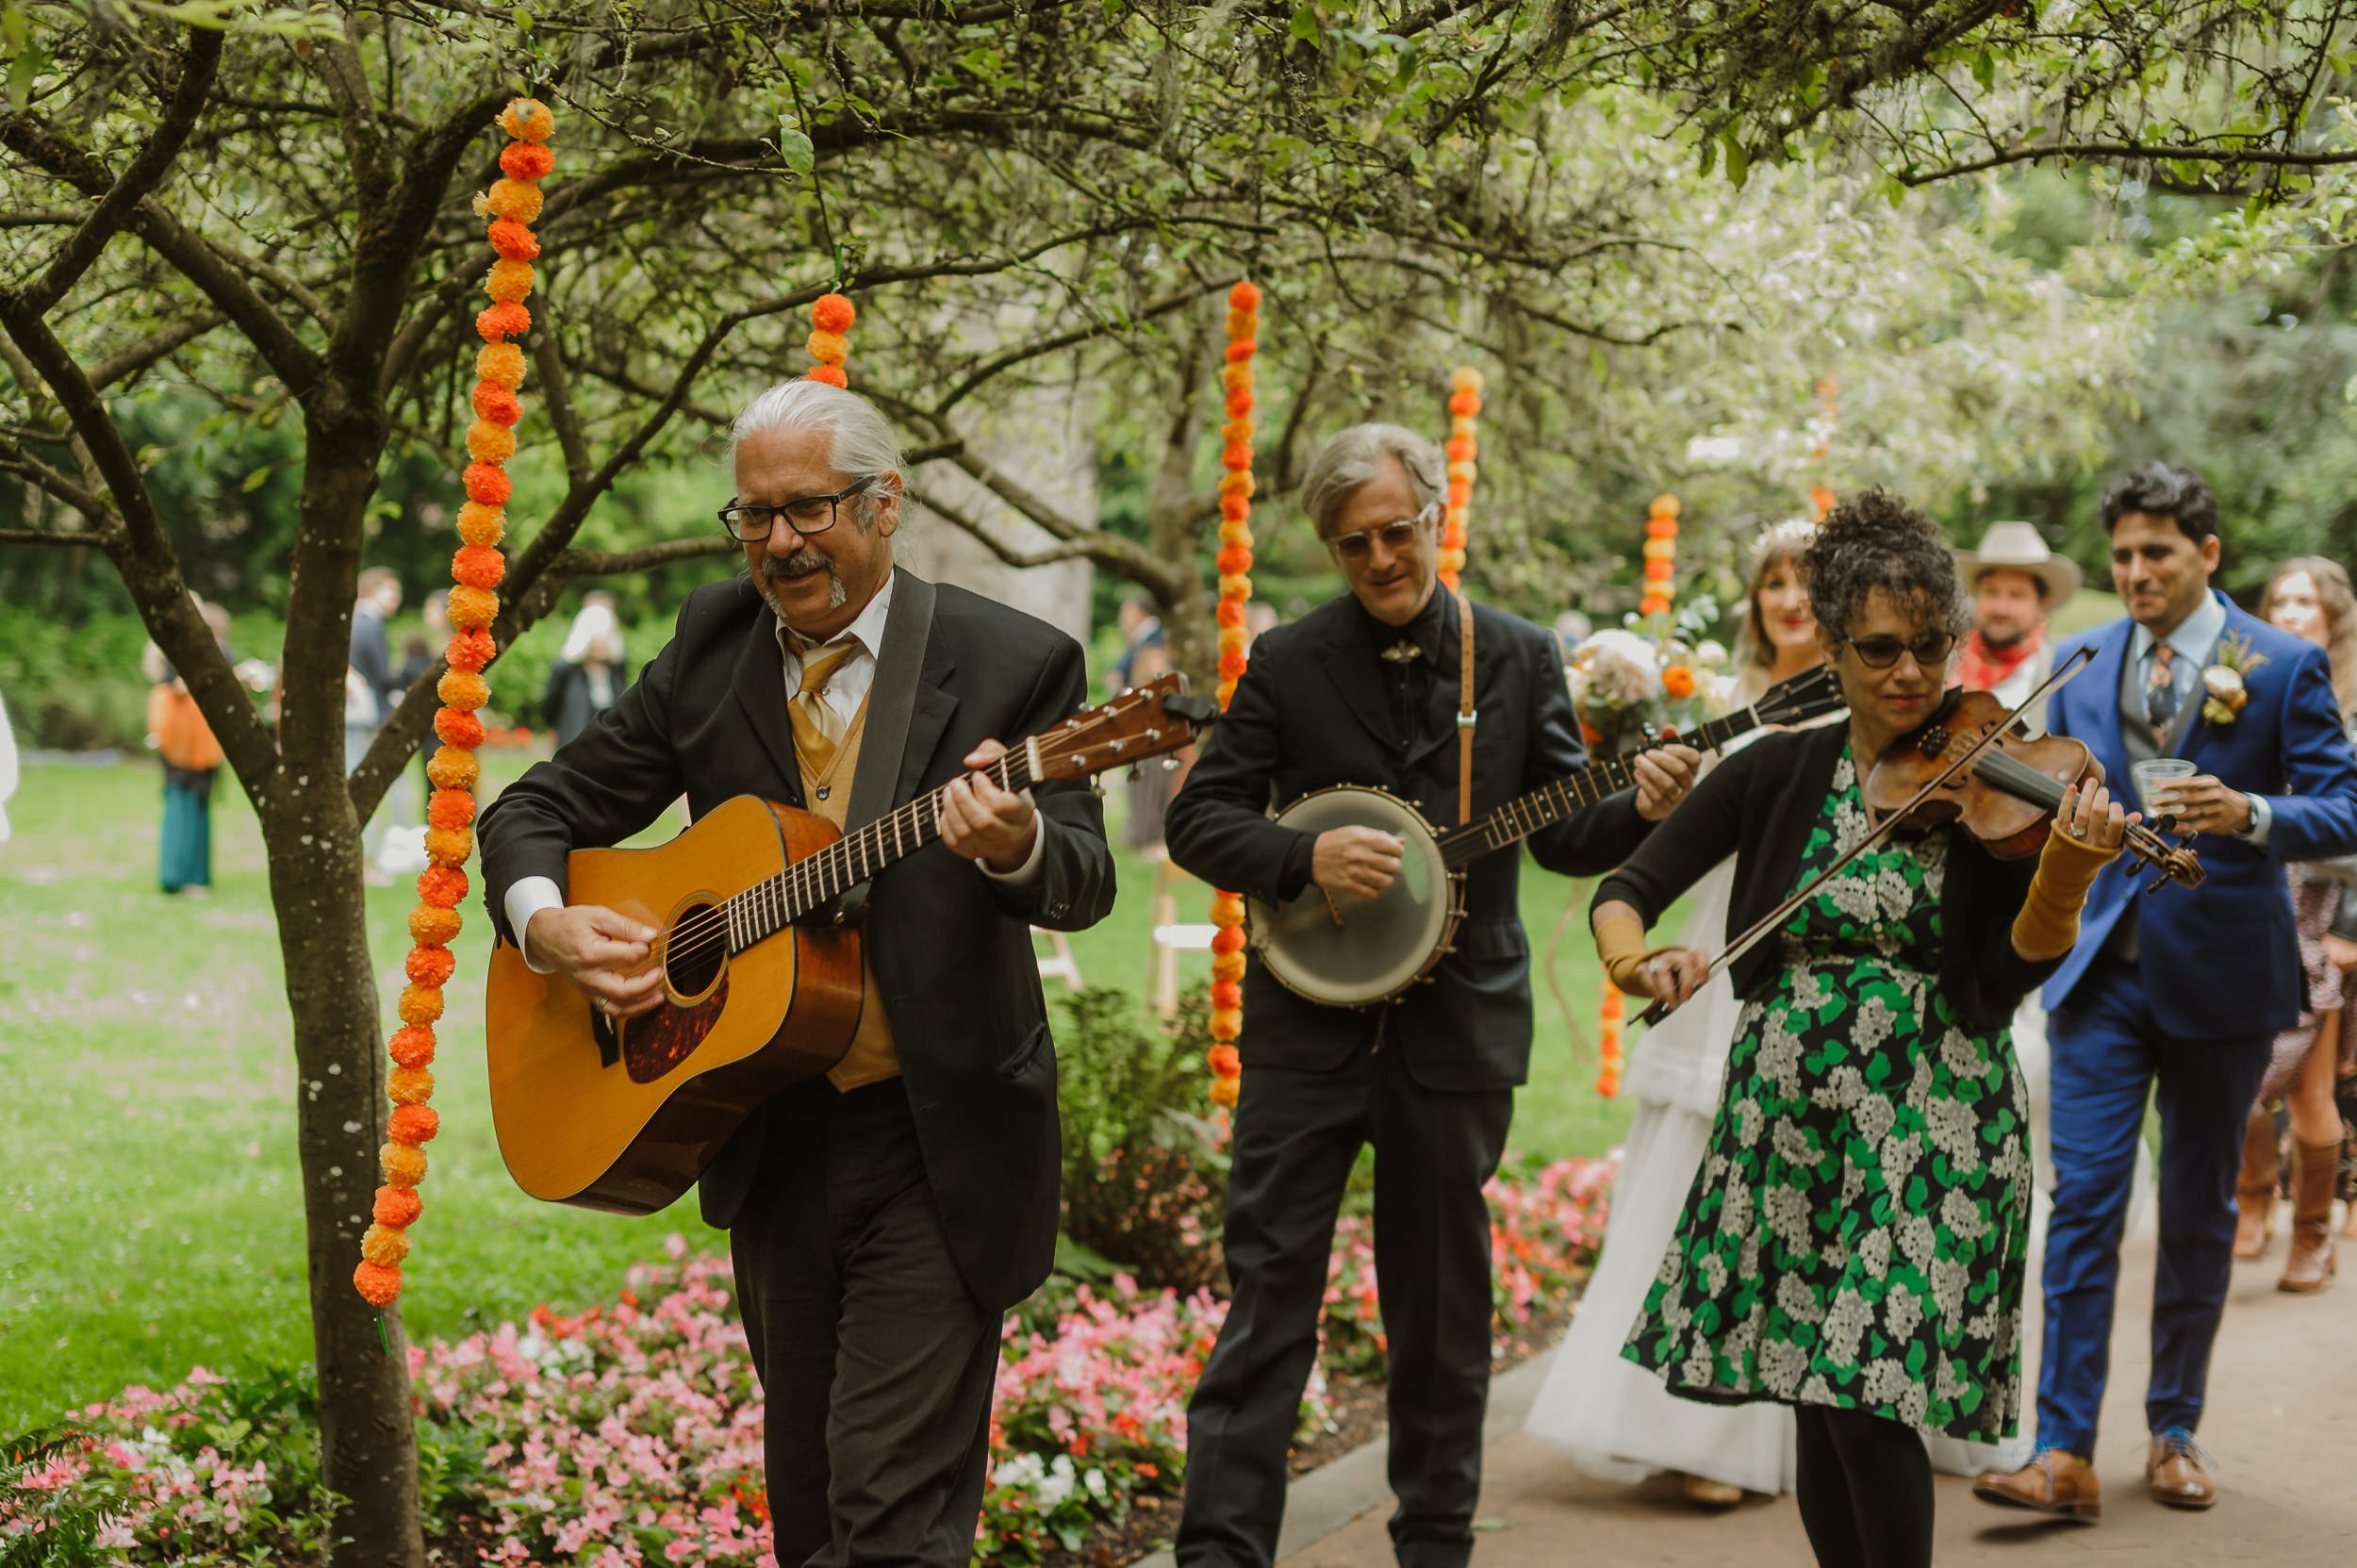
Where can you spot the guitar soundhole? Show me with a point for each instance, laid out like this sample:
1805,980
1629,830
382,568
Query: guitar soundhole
692,957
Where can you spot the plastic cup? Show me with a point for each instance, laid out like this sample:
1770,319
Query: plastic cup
2153,778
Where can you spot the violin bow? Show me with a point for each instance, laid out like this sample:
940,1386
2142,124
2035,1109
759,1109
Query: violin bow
1767,924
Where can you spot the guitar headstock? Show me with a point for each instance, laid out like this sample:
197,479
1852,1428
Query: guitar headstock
1145,721
1810,695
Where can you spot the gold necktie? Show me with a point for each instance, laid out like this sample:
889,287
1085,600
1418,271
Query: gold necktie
817,728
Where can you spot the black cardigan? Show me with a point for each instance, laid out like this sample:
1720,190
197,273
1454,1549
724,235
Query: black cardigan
1759,806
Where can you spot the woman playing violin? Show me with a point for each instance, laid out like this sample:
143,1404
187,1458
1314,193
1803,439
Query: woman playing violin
1855,1244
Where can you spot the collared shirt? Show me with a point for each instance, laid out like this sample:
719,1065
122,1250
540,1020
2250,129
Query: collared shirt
846,688
2194,646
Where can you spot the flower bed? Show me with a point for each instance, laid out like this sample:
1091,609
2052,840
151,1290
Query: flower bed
632,1433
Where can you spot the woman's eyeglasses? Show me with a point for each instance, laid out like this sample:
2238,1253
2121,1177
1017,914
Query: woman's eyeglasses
1882,651
806,515
1359,546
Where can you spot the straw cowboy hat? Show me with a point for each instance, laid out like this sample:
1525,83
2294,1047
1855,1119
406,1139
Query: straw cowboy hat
2017,546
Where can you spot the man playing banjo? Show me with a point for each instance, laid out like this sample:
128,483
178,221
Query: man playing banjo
1372,689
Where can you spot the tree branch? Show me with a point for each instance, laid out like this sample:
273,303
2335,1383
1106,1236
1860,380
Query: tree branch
1120,556
198,65
133,360
98,539
548,358
2134,151
1050,344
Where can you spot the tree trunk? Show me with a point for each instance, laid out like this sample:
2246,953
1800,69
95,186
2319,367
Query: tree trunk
311,836
1171,515
366,1442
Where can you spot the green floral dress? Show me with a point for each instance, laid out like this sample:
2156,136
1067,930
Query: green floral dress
1857,1234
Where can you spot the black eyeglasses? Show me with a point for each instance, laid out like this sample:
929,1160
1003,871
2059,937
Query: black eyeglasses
1881,651
806,515
1357,546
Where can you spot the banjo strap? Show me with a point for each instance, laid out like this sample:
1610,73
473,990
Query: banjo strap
1465,714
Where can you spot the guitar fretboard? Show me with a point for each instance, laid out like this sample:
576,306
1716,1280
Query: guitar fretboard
1551,804
817,880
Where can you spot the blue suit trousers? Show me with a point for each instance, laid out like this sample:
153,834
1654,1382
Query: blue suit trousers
2112,1048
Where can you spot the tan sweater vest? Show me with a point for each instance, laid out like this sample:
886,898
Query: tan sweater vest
871,1058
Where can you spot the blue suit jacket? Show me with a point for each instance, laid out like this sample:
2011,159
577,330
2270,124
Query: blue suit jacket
2220,962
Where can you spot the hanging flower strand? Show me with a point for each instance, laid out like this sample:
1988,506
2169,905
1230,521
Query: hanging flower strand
1235,590
1828,394
512,205
830,318
1661,555
1464,409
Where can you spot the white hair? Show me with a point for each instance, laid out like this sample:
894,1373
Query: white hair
593,633
862,446
1355,457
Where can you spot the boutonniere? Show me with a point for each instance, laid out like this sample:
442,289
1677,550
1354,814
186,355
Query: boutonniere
2224,691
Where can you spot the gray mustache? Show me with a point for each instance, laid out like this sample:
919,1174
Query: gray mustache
800,561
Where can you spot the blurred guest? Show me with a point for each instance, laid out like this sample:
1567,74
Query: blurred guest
2015,584
371,687
2310,597
7,769
1141,629
191,759
589,674
1259,617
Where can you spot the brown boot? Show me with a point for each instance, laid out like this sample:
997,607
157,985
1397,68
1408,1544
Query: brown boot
2053,1482
2254,1190
2309,1264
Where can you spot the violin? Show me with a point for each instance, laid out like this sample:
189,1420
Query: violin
2007,796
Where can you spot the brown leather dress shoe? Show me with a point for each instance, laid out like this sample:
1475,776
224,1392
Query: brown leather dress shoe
2053,1482
2179,1472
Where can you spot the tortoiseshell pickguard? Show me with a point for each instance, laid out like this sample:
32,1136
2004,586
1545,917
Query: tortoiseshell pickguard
655,1043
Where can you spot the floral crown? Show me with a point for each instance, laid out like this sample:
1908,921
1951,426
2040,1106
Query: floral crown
1789,537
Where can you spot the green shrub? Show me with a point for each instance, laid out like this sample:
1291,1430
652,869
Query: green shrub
1144,1169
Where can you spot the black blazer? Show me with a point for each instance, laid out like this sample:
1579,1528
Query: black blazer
1313,709
1759,806
951,949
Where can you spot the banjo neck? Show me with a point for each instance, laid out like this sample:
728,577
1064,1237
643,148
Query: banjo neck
1551,804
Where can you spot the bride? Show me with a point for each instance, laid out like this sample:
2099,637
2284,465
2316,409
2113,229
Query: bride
1612,1417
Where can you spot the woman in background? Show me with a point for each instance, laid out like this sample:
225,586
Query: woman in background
2309,596
192,758
588,675
1613,1419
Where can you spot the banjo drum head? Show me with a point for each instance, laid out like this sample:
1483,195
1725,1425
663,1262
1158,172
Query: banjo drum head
1381,945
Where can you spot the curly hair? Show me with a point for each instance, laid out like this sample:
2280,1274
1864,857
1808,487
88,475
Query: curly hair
1876,541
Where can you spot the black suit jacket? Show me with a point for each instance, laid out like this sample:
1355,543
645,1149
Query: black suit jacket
1315,708
951,949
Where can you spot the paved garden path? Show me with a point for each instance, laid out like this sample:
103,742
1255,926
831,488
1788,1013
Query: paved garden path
2282,1427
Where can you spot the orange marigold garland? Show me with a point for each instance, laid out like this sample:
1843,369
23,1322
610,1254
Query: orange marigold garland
1465,408
1828,393
476,569
1235,590
830,344
1661,553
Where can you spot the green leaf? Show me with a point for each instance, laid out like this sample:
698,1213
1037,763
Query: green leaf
1984,68
795,147
1305,23
1738,161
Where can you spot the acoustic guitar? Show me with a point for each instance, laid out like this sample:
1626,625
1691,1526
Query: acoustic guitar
754,906
1361,953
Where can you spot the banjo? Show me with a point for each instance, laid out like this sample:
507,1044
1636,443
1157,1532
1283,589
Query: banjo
1361,951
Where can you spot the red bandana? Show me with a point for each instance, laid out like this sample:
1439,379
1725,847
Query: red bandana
1982,667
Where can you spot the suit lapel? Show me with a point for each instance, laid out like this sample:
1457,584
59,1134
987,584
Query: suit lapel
759,681
929,716
1359,681
2100,697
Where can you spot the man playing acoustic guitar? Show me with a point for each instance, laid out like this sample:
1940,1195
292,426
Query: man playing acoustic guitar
1367,691
885,1216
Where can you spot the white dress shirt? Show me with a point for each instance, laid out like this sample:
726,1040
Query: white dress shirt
846,689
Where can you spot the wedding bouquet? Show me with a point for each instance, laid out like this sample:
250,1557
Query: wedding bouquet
1636,686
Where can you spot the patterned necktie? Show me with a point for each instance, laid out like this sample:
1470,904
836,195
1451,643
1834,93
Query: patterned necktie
817,728
2160,690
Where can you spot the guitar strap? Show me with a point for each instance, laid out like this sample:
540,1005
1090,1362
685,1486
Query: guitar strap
1465,714
890,700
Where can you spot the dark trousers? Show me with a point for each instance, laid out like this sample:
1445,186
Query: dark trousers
1297,1135
2110,1050
876,1363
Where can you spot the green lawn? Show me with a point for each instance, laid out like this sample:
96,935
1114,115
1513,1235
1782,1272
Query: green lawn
150,1206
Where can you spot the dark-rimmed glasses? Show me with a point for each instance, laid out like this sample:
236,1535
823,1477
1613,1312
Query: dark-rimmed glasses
1359,545
805,514
1882,651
